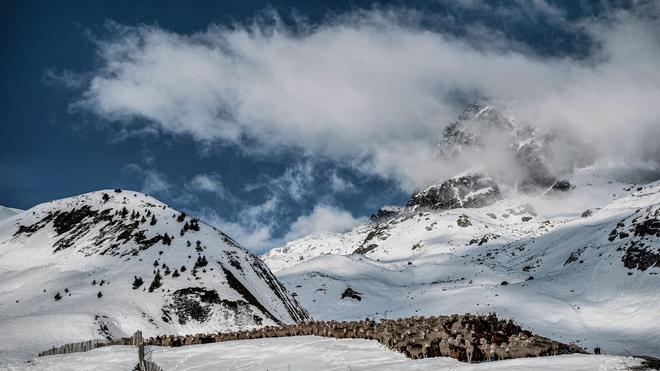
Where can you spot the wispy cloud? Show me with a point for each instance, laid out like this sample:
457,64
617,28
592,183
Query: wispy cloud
153,181
211,183
323,218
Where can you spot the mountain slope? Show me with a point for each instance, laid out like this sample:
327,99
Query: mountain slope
580,264
107,263
6,212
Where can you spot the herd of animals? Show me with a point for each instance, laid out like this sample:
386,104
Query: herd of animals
467,338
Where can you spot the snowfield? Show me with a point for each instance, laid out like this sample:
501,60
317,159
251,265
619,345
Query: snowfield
304,353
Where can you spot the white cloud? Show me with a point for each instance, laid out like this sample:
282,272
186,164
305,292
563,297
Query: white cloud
374,91
208,183
153,182
324,218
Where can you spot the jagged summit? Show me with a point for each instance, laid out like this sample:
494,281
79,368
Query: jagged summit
106,263
479,130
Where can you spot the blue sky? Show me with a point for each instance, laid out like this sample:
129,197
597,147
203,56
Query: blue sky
274,120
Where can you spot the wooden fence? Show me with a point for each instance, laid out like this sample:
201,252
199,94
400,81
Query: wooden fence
136,340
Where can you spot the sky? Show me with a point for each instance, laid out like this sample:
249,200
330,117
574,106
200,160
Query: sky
274,120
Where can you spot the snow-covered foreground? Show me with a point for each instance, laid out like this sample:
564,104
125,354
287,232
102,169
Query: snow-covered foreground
115,358
304,353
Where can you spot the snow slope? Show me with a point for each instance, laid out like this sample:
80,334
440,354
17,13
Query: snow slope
88,266
307,353
6,212
581,265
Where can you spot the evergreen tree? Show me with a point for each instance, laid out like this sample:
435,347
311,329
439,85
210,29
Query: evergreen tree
156,283
137,282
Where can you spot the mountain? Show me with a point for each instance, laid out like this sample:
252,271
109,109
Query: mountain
107,263
579,262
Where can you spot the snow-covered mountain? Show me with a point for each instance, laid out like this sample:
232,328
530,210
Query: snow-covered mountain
107,263
579,262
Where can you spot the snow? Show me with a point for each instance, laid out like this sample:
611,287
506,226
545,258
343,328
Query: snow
426,264
304,353
6,212
114,358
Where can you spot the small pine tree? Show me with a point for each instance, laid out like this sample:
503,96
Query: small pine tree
153,220
156,263
156,282
201,262
99,295
194,225
175,273
58,296
124,212
105,197
167,240
181,217
183,268
137,282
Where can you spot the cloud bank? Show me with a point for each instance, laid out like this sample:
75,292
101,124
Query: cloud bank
376,91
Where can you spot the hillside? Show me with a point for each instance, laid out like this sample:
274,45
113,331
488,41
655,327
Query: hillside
6,212
107,263
579,263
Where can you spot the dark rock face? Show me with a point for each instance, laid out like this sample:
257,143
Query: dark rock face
350,293
379,232
385,213
467,191
562,185
639,236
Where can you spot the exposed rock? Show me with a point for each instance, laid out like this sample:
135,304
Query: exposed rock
463,221
385,212
350,293
466,191
562,185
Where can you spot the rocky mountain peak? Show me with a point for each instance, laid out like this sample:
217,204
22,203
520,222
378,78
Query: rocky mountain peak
478,127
